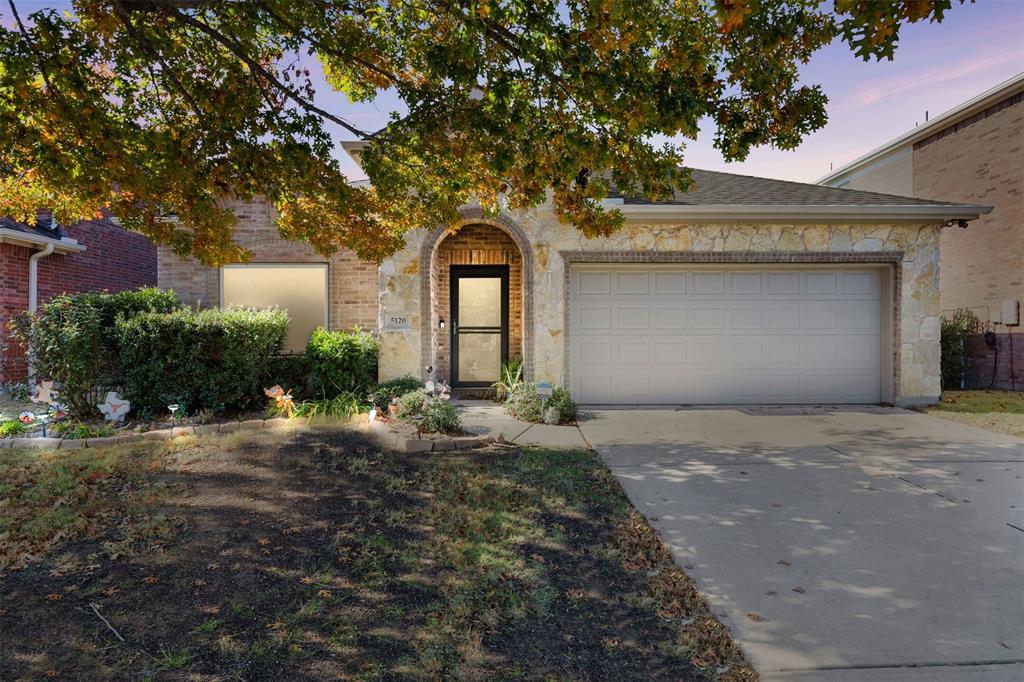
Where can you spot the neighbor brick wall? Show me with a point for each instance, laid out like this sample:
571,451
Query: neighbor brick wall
980,161
999,367
478,244
114,260
352,283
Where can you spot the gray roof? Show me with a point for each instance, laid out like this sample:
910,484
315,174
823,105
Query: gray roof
51,231
712,188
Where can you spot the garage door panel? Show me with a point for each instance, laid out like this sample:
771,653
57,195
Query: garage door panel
670,318
632,282
670,283
745,283
682,334
594,283
632,318
705,283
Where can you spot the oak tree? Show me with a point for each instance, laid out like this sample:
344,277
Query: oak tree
145,108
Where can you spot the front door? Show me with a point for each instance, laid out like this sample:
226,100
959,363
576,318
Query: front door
479,334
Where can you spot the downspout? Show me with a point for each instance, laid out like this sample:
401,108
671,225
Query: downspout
33,291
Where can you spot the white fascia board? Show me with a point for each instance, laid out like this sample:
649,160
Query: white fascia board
767,213
20,238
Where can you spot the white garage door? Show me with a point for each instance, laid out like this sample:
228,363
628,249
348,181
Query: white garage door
690,335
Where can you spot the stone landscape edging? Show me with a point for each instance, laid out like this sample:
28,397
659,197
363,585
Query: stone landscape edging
386,435
389,437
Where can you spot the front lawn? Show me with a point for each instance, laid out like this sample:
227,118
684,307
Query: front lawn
312,555
1001,411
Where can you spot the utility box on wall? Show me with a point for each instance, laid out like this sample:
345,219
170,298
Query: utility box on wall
1010,313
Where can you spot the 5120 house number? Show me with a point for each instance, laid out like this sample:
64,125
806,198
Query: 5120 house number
396,322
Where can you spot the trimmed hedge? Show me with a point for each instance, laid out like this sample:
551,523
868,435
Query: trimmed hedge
74,340
206,359
341,362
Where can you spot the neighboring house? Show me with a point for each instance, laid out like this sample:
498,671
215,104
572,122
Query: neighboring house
973,153
38,262
745,290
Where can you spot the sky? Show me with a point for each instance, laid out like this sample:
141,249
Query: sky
936,67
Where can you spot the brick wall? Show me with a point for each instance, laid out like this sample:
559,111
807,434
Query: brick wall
352,288
114,260
479,245
1000,367
980,160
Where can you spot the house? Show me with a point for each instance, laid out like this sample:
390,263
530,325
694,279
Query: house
744,290
40,261
973,153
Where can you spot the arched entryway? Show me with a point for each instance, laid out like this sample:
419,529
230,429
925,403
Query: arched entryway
485,268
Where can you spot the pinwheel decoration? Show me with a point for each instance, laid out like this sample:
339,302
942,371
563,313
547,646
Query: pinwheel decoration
282,398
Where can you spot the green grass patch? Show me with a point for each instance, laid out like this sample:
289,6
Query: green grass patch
1001,411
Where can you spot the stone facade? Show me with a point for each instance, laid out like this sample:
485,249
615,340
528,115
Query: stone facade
538,249
352,283
910,250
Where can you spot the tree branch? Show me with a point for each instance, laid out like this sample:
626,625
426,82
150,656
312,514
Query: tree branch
257,68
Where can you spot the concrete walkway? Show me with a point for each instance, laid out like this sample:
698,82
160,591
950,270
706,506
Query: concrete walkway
838,544
488,418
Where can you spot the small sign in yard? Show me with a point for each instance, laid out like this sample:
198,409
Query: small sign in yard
545,389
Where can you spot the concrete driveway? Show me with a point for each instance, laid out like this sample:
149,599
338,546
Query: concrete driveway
838,544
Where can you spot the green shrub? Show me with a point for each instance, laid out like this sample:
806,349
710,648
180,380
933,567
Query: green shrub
954,357
510,377
411,404
73,340
207,359
291,371
75,429
13,428
341,406
385,392
561,400
440,416
341,361
524,404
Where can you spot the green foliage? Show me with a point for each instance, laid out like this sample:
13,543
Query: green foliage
341,361
163,107
524,404
207,359
76,429
73,340
510,377
440,416
561,400
955,359
13,427
411,404
386,391
341,406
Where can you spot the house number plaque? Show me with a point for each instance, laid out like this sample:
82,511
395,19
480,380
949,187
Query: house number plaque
396,323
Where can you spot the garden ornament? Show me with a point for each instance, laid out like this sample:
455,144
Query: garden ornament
174,407
114,408
372,417
44,393
282,398
27,417
429,388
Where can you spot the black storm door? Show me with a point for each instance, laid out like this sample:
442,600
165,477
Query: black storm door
479,332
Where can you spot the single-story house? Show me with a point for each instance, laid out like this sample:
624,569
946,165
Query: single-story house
41,260
972,153
744,290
